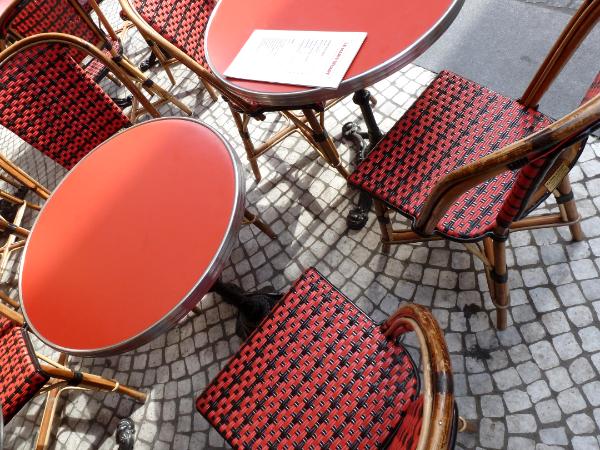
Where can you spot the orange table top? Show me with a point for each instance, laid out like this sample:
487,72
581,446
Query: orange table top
397,32
132,238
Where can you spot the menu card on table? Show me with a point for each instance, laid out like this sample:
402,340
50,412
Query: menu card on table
305,58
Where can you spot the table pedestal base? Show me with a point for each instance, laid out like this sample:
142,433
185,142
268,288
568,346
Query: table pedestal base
252,307
358,216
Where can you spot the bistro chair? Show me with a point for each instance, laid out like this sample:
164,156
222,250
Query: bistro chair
51,103
469,165
319,373
178,27
25,373
23,18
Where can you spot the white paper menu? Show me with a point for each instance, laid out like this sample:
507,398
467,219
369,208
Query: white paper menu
305,58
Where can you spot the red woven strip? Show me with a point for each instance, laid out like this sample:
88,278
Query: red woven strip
318,373
593,90
47,100
20,376
181,22
454,122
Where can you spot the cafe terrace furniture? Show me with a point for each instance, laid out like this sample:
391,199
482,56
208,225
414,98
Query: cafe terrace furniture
50,102
178,26
132,238
467,164
23,18
24,374
397,32
319,373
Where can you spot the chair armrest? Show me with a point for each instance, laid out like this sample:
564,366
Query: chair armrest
438,394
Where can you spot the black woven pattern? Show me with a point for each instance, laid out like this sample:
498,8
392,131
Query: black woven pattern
454,122
318,373
181,22
48,100
20,375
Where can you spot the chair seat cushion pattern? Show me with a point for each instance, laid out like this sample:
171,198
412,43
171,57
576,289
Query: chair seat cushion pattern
48,101
318,373
454,122
181,22
20,374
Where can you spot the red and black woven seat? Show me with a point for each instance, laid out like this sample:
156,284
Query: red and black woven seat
181,22
20,374
49,101
454,122
318,373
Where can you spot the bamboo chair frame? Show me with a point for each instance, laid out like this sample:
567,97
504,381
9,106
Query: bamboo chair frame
62,378
310,124
91,51
17,178
102,42
438,394
563,137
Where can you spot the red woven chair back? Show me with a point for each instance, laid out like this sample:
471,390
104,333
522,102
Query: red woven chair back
48,100
20,374
182,22
593,90
32,17
536,168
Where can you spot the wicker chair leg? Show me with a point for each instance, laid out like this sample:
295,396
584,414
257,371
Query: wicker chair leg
251,218
570,208
242,126
90,381
45,431
211,90
383,217
500,276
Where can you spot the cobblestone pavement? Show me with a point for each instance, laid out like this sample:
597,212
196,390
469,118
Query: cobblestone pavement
570,5
534,386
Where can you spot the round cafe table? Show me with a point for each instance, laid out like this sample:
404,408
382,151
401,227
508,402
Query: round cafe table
397,32
132,238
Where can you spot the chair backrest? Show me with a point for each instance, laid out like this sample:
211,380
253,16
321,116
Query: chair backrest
30,17
542,171
542,159
178,26
49,101
20,374
182,22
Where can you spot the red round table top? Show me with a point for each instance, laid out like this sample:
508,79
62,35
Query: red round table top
132,238
397,32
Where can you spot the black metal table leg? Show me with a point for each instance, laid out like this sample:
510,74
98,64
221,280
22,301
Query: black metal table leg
252,307
125,434
357,217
